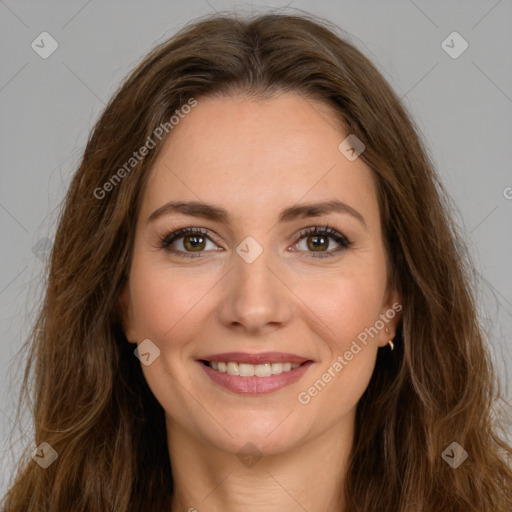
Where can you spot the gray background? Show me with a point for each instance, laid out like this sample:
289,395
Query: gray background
463,107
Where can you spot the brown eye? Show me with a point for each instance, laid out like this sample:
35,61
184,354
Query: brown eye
185,242
194,242
318,240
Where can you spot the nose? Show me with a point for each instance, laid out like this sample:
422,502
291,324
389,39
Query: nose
255,296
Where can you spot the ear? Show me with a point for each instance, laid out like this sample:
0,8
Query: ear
390,316
125,314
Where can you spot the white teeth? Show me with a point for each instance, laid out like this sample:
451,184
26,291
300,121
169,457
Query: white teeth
246,370
251,370
277,368
263,370
233,368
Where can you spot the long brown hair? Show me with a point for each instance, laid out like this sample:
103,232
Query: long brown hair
91,401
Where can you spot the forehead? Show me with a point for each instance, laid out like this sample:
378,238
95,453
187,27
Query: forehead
249,154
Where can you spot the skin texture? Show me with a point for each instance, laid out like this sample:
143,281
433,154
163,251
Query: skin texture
254,158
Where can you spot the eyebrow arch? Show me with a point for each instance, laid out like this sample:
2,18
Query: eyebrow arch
218,214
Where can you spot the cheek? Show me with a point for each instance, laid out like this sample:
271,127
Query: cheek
348,302
349,306
163,300
166,310
155,309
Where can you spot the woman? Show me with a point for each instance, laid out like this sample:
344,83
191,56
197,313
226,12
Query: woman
319,351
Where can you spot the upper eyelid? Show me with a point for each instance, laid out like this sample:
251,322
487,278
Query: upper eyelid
190,231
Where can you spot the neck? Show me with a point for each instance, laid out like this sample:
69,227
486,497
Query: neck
309,477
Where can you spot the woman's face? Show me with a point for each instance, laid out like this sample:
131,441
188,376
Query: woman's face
254,282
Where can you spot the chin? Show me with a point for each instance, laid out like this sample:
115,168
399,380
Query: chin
269,436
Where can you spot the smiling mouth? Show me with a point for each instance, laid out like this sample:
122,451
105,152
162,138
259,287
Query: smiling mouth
251,370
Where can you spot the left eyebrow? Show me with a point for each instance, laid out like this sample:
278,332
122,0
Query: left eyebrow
218,214
319,209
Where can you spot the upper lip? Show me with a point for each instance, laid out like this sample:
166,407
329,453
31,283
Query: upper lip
259,358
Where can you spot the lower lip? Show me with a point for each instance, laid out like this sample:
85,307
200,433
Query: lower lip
256,385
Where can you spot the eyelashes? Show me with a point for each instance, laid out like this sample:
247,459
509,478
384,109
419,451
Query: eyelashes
194,234
196,239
